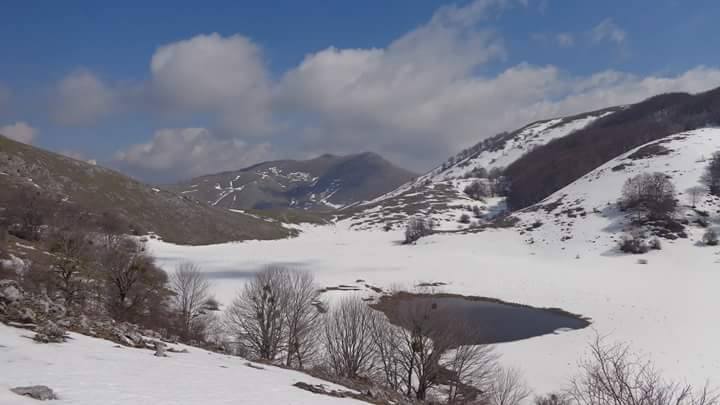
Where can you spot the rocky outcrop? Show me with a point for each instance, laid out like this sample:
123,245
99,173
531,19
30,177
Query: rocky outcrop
39,392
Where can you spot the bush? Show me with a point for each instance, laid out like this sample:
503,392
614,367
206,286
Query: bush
464,219
477,190
651,192
655,244
710,237
633,244
711,177
417,228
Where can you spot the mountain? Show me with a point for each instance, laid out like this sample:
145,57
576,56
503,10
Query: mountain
440,192
26,170
325,183
584,217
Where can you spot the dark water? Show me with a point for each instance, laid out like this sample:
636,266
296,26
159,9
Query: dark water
489,321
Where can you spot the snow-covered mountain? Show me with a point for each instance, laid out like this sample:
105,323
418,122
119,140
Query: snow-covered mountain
327,182
440,192
585,217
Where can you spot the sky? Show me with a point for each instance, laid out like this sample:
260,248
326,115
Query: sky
178,89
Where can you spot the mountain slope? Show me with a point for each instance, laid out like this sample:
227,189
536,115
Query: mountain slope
545,170
98,190
89,371
326,182
584,216
439,193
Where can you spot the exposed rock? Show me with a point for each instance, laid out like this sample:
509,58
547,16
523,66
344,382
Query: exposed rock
39,392
10,291
50,333
160,349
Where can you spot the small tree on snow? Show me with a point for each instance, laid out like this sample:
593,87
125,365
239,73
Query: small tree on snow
650,192
417,228
711,178
477,190
710,238
694,194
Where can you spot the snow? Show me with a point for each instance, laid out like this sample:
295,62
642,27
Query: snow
89,371
660,309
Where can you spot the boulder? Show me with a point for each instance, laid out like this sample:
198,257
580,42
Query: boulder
50,333
10,291
39,392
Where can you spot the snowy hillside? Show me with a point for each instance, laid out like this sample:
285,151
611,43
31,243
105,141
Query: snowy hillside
439,193
584,216
89,371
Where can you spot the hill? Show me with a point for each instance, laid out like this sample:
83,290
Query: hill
28,173
324,183
440,192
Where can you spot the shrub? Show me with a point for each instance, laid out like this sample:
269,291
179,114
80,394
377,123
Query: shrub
477,190
655,244
417,228
711,177
464,219
651,192
710,237
633,244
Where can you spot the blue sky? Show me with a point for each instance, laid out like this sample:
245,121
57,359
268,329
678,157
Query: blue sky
246,81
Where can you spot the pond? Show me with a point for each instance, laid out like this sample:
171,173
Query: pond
488,320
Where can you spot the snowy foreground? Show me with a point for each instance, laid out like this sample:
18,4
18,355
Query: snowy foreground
89,371
663,309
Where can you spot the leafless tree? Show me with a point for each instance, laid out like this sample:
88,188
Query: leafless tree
416,228
256,316
650,192
695,193
711,177
348,337
303,320
471,368
191,292
614,375
477,190
508,388
72,263
387,340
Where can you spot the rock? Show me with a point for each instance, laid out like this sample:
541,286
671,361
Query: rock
50,333
10,291
160,349
39,392
24,315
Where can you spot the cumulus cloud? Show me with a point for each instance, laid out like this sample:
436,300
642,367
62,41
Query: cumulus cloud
19,131
425,96
81,98
607,30
211,73
174,153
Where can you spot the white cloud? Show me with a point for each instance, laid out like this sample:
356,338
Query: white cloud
607,30
19,131
423,97
81,98
211,73
174,153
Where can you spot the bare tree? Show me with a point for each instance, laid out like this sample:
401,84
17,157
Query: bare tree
191,292
302,318
72,263
650,192
416,228
256,316
695,193
387,341
348,337
711,177
471,368
477,190
508,388
614,375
